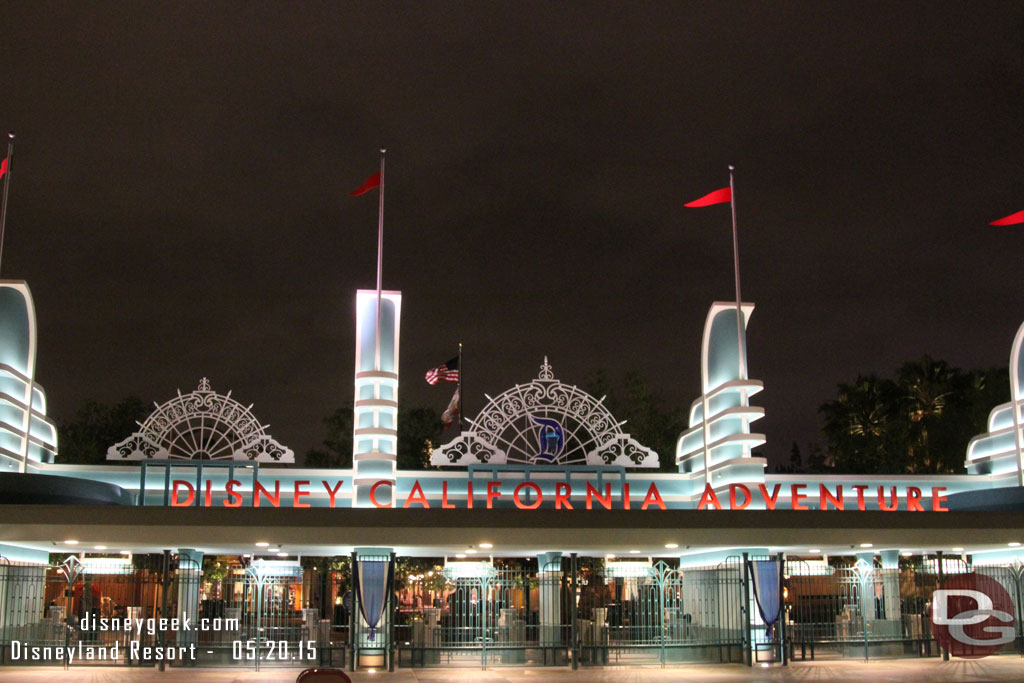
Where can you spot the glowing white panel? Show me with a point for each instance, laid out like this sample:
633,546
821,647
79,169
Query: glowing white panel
467,570
626,569
107,565
276,567
375,407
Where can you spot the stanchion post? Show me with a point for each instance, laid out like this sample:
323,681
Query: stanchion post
574,649
353,619
392,614
162,636
745,612
782,608
939,561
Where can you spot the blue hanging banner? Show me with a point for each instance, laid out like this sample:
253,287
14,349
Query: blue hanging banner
767,591
373,579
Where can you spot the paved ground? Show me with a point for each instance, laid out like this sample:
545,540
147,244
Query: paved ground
1006,668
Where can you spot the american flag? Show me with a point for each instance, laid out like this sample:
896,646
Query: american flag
449,372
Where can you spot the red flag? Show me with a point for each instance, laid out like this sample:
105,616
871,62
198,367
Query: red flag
1012,219
3,168
371,182
452,411
716,197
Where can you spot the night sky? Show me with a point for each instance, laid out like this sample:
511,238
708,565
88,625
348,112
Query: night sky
179,197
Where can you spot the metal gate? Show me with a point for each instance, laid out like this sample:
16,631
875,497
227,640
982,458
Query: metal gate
262,623
53,614
857,609
642,612
494,616
86,612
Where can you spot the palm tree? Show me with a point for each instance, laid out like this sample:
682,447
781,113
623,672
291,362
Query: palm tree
929,389
862,426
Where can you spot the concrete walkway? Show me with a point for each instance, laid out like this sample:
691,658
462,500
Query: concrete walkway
1006,668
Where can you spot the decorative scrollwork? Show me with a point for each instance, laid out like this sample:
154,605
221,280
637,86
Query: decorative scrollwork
202,425
264,449
468,450
72,569
626,452
545,422
138,447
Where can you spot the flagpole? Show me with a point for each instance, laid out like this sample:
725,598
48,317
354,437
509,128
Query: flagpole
380,251
736,269
7,184
460,387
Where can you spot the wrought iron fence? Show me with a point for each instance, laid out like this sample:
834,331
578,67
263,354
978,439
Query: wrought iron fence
63,614
75,613
493,617
642,612
579,611
853,608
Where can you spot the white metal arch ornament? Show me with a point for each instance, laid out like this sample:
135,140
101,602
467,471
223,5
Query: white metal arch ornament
202,425
545,422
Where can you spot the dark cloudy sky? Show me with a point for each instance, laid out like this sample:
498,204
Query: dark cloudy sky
179,199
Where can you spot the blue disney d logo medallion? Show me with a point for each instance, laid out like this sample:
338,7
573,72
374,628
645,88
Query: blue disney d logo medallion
550,439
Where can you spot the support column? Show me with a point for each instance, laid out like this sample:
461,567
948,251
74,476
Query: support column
189,576
376,653
868,616
940,562
549,574
891,591
375,408
869,600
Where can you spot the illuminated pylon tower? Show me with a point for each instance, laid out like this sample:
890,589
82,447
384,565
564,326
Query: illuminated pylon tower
375,411
27,436
1000,450
718,446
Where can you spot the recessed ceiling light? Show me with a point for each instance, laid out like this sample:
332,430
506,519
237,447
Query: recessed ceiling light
126,552
634,552
486,546
610,556
907,553
262,544
814,550
671,546
958,550
867,545
99,547
282,554
471,551
71,541
460,556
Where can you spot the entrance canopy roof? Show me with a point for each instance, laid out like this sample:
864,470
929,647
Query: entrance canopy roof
511,532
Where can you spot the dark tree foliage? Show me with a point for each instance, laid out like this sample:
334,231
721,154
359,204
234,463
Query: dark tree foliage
648,420
419,431
84,440
336,449
917,422
796,462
